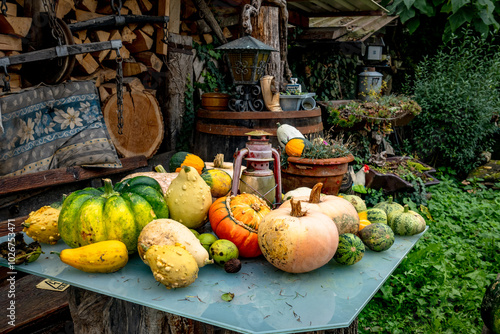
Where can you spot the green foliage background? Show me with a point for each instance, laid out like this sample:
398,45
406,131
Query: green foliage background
459,92
439,286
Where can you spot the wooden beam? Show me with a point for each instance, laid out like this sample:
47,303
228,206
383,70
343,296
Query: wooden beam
59,176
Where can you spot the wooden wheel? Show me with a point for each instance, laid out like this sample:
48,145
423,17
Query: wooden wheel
51,71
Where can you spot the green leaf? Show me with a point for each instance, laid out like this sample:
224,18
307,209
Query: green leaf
406,15
481,27
409,3
457,4
227,297
412,25
424,7
459,18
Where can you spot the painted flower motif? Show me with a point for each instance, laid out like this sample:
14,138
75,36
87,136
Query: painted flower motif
48,124
69,118
26,131
85,107
38,124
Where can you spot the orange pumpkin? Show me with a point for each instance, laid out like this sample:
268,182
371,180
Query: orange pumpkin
237,218
297,241
341,211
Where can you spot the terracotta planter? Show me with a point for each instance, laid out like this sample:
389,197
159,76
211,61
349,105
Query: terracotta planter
302,172
214,101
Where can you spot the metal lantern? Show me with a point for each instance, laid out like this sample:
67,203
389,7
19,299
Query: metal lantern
257,178
247,58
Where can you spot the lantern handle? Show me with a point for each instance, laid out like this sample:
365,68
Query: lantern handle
238,158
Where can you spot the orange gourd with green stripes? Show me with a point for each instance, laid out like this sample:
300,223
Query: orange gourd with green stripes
180,159
296,146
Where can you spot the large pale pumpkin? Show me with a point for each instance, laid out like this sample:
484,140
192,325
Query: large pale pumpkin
237,218
342,212
297,241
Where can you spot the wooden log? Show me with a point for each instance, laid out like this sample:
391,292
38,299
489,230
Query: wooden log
10,43
125,54
209,17
145,5
128,36
19,26
133,6
133,83
149,59
88,5
87,64
11,9
148,29
142,43
142,124
109,87
64,7
82,15
131,68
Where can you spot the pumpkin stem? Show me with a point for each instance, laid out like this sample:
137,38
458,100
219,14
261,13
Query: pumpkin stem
54,252
160,169
219,160
389,200
296,209
108,189
315,195
407,208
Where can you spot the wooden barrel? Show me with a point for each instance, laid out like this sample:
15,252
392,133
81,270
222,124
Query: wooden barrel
225,131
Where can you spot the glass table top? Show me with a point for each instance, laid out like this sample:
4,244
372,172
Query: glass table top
266,299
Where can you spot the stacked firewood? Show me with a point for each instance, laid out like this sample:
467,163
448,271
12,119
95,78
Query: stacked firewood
142,50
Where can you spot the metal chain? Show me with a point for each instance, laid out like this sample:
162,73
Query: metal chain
3,7
117,8
119,90
165,33
55,27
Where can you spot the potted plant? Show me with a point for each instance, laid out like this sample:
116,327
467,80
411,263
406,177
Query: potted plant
385,110
322,160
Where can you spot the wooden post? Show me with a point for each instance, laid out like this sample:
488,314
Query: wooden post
179,68
266,29
172,9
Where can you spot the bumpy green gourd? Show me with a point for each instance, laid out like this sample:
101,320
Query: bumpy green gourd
407,222
172,265
356,201
189,198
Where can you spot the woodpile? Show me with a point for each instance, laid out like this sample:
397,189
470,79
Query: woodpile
143,52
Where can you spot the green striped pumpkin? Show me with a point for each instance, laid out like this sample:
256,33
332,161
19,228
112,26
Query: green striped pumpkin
389,206
377,237
356,201
219,181
376,215
407,222
350,250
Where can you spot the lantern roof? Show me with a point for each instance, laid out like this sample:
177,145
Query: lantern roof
246,43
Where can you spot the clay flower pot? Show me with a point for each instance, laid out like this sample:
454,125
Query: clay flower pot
302,172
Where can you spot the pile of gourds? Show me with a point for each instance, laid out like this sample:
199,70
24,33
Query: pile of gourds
156,214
